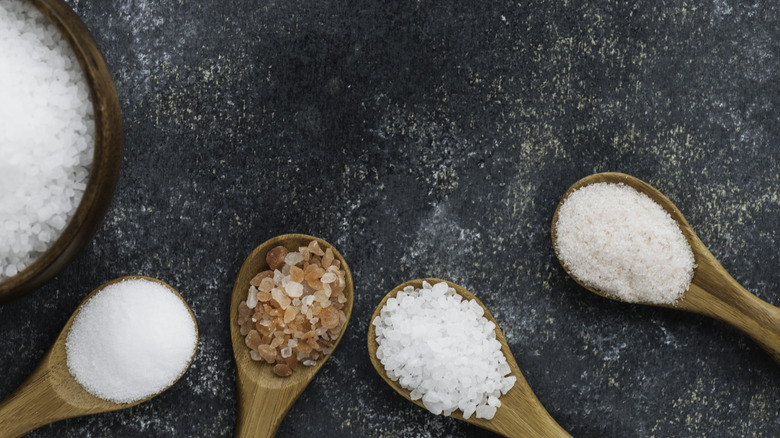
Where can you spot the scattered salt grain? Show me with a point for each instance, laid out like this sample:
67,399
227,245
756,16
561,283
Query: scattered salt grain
443,350
131,340
619,241
46,135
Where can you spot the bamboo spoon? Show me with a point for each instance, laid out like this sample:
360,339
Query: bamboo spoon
51,393
521,414
264,397
713,292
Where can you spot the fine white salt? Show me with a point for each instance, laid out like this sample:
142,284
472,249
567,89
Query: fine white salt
619,241
131,340
46,135
443,350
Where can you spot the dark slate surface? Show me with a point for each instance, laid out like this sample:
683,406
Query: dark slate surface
431,138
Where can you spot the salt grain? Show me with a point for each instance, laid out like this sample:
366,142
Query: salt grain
46,135
131,340
622,243
443,350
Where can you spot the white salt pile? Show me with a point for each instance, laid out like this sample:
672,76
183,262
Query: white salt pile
46,135
443,350
620,242
131,340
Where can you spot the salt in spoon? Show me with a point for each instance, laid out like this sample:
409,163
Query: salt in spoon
713,292
263,397
52,394
521,414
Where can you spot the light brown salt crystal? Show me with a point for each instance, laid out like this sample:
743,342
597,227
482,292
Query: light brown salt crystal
267,352
263,296
329,317
304,347
277,341
275,257
282,370
257,279
305,253
321,296
246,327
327,259
296,274
266,284
314,247
253,339
290,313
280,297
243,313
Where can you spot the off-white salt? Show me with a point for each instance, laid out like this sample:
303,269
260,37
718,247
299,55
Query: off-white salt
131,340
443,350
46,135
619,241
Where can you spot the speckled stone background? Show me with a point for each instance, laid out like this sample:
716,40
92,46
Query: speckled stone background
434,138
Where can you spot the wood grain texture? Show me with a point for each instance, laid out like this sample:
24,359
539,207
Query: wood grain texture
521,414
105,162
51,393
263,397
713,291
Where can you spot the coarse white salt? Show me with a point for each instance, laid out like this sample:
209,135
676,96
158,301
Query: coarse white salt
131,340
443,350
619,241
46,135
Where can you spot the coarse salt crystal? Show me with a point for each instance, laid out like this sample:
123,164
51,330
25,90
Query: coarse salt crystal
442,351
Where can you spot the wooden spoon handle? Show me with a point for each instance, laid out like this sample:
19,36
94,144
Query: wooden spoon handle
31,406
716,294
261,410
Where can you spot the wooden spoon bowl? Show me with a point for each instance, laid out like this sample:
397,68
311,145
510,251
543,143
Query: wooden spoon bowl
713,291
105,162
51,393
264,397
521,414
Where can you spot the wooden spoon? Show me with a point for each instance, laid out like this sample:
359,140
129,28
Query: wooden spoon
51,393
521,414
713,292
263,397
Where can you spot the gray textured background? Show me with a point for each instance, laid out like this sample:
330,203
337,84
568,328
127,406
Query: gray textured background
434,138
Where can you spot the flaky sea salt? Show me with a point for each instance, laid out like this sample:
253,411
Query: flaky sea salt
622,243
443,350
46,135
131,340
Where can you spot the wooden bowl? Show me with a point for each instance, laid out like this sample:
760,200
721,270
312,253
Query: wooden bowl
105,163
